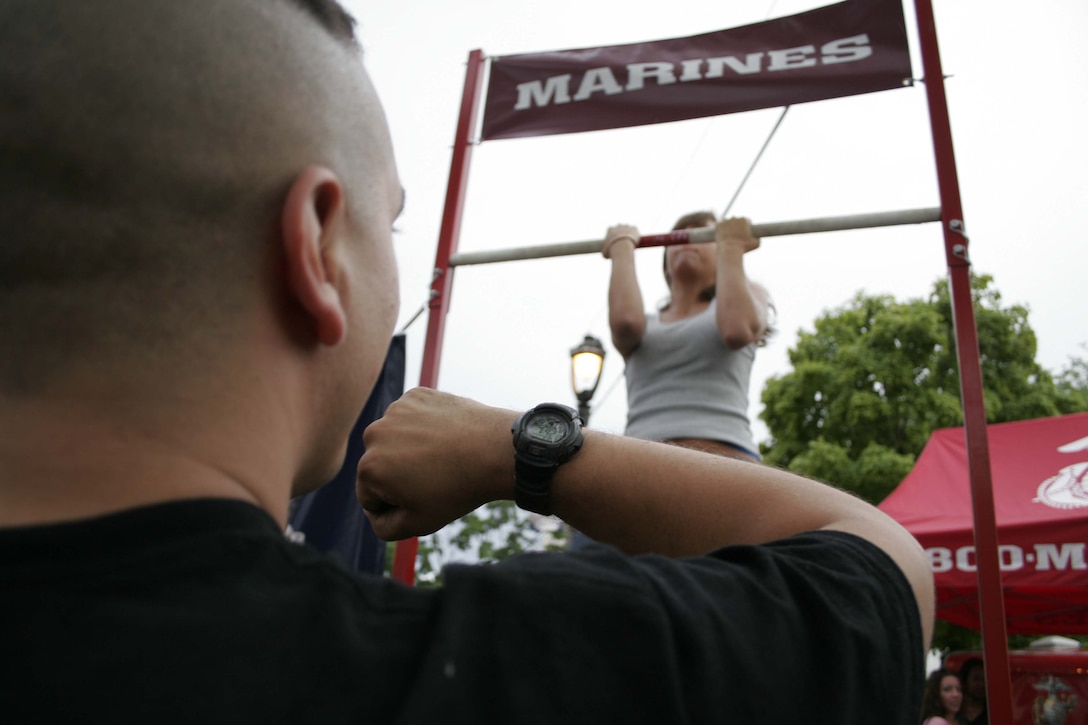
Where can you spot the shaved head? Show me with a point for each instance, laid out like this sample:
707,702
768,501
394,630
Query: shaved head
145,150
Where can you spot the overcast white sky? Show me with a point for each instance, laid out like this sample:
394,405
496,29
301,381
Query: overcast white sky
1018,98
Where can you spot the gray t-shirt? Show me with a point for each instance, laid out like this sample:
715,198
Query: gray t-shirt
683,381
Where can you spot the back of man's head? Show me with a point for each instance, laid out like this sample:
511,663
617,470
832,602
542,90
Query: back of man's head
145,148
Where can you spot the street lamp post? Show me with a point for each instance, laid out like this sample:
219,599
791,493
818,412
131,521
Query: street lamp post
586,363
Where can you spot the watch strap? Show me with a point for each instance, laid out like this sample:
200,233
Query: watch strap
533,491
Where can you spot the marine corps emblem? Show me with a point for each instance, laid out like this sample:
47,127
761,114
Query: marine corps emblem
1055,703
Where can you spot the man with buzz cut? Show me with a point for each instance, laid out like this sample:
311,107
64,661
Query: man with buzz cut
197,290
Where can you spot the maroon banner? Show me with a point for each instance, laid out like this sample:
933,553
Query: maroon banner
857,46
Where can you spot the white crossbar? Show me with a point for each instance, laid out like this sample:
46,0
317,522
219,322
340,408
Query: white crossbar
772,229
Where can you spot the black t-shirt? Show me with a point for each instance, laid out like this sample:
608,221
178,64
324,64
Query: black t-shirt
202,612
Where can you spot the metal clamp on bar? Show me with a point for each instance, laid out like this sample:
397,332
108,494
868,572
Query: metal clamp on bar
956,226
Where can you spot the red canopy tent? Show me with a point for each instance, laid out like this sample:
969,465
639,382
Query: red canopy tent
1040,486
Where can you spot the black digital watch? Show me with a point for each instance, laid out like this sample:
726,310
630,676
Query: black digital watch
545,438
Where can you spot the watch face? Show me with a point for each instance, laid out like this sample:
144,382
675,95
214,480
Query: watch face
547,427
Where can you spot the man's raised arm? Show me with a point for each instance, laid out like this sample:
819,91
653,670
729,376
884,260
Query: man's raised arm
435,457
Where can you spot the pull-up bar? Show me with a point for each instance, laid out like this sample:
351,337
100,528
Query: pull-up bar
706,234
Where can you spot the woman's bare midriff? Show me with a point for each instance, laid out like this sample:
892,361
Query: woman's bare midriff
715,447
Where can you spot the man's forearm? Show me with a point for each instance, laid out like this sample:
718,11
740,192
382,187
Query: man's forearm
650,497
436,457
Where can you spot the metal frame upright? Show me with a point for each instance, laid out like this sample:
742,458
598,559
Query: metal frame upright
404,560
991,592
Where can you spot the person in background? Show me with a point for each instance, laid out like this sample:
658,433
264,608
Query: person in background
689,364
197,291
942,699
972,674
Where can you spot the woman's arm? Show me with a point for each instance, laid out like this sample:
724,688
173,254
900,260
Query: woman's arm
626,315
741,306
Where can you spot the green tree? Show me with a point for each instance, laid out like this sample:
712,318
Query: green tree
489,534
1073,384
875,377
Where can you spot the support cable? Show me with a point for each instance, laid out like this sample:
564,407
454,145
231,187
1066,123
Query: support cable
751,168
415,316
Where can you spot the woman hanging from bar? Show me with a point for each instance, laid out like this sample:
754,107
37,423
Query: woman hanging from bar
689,364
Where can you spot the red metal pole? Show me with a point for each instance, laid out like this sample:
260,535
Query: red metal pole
404,562
991,593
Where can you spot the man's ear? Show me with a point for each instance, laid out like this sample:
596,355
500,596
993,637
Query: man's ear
313,215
